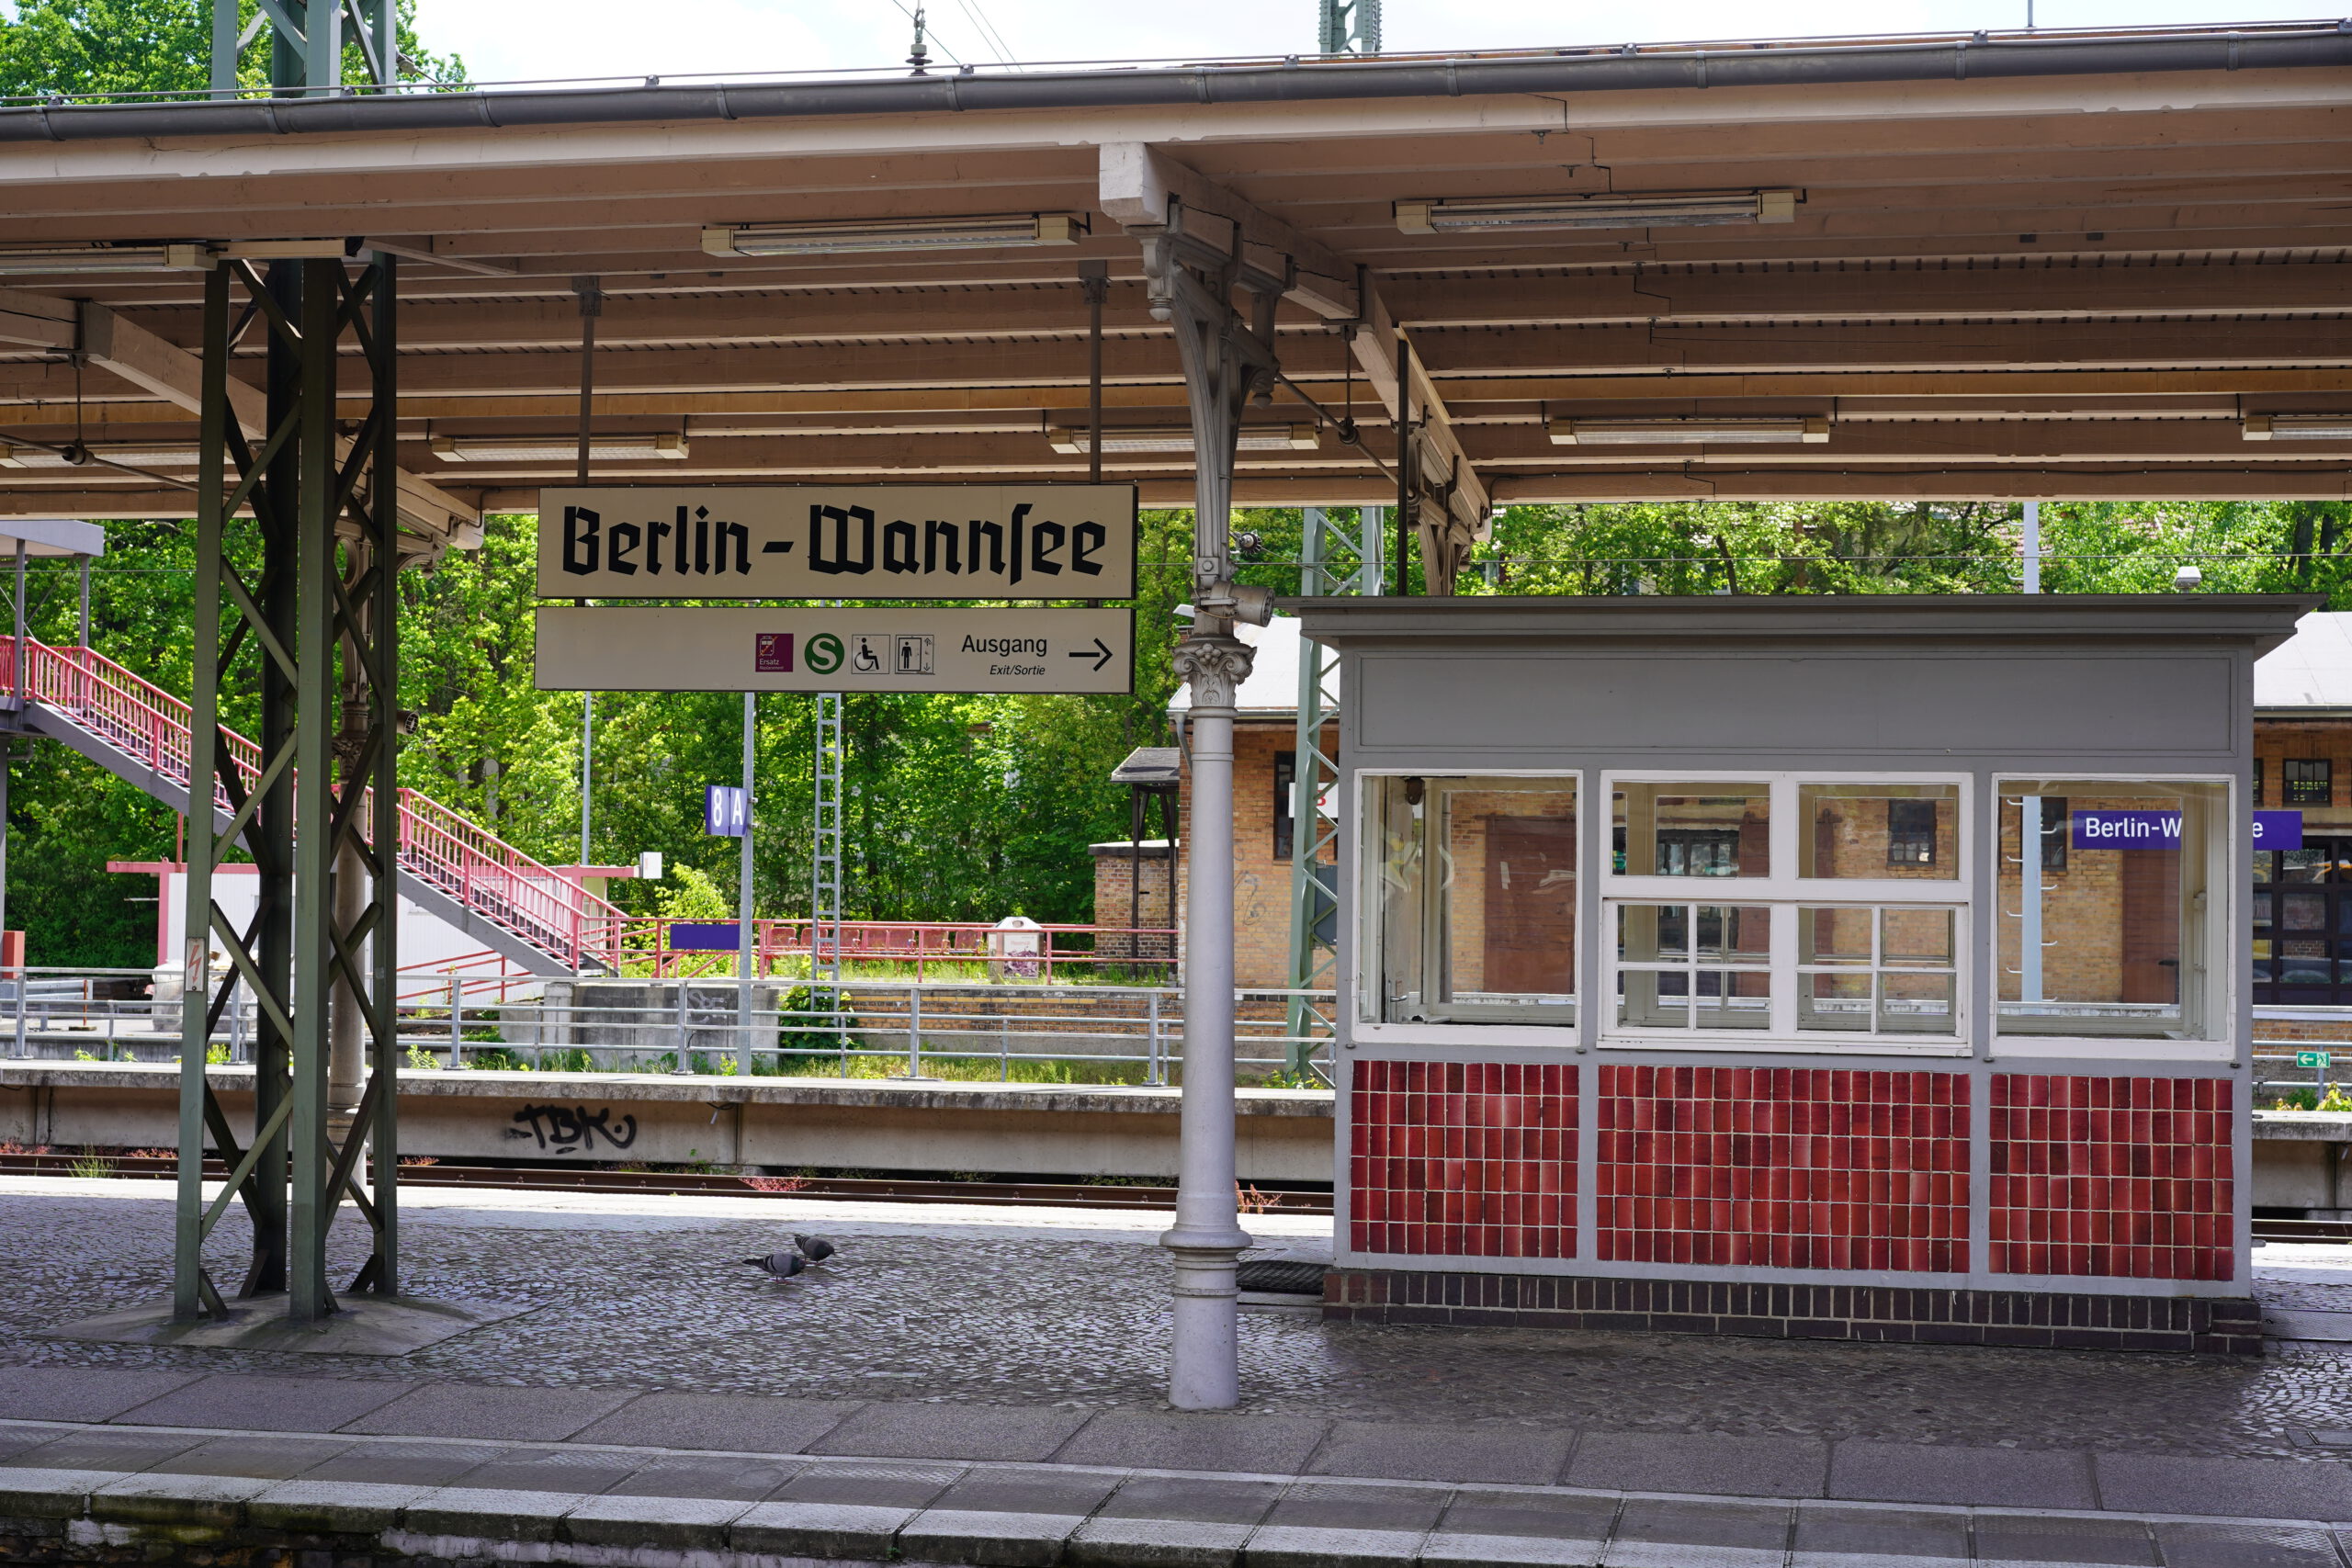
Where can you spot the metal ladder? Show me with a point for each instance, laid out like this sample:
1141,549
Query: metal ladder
825,871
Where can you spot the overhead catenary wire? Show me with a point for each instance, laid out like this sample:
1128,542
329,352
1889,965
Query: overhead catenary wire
933,32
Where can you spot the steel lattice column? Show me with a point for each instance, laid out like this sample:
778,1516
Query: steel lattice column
1334,558
299,607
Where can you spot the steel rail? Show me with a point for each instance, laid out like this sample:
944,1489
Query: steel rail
581,1178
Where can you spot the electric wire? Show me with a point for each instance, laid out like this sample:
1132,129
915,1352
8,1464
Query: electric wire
987,29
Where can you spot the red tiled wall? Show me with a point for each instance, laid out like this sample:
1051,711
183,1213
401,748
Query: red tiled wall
2124,1177
1463,1159
1784,1168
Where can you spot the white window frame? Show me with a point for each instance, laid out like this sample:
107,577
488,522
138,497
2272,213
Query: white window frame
1784,893
1370,933
2227,966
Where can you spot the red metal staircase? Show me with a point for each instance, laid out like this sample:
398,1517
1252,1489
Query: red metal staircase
449,864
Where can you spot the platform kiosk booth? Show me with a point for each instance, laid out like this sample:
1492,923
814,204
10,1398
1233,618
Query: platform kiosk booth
1868,968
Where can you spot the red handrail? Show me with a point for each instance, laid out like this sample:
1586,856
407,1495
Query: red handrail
437,846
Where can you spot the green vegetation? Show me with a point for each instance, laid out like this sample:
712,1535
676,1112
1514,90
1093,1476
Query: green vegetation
75,47
976,808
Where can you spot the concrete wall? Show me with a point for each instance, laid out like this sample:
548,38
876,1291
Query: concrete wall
556,1118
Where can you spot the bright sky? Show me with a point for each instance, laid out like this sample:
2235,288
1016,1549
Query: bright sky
521,40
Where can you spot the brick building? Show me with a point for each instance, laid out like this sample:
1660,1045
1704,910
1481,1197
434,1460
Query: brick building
1264,750
2303,761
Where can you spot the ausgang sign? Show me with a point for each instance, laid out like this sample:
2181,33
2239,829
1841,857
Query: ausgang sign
1033,541
640,648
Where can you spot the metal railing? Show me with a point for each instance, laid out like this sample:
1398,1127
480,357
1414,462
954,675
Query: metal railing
438,846
885,1028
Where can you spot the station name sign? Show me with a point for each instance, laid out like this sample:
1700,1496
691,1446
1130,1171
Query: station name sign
1016,541
2161,829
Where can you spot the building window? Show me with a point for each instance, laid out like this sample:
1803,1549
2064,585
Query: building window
2258,780
2123,947
1474,919
1285,788
2307,781
1910,832
1837,949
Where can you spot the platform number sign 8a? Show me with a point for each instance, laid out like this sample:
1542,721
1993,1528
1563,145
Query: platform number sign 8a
825,653
2311,1058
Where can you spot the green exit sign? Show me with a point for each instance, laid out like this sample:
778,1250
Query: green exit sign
2311,1058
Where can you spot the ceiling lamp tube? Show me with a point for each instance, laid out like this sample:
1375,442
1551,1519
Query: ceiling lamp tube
152,455
104,258
838,237
556,448
1725,432
1467,214
2299,427
1075,442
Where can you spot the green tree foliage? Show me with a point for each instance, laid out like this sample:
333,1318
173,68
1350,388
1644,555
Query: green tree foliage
76,47
962,807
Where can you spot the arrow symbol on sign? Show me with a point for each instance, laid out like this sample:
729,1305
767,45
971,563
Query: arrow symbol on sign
1098,648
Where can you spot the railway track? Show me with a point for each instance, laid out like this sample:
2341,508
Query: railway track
578,1179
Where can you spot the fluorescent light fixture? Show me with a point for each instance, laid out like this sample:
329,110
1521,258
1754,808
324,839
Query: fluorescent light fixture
284,249
1468,213
555,448
838,237
2299,427
153,455
1076,443
1725,432
104,258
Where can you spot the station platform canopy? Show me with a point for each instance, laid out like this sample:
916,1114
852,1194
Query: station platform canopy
2105,264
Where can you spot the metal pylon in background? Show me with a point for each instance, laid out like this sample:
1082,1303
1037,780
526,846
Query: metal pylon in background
298,606
306,41
1334,558
1348,27
825,863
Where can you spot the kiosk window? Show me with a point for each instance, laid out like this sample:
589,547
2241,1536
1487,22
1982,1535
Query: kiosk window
1848,938
2126,944
1476,907
2307,781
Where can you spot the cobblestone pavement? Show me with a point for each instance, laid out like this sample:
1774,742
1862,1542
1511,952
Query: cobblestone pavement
1015,1307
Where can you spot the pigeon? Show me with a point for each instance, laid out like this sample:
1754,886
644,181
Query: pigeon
815,1248
783,1265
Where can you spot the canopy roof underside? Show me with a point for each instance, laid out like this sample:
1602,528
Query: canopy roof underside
2064,265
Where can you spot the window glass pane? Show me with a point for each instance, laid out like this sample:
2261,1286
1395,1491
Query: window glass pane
2303,865
2265,865
1395,847
1741,935
1478,879
1879,830
1647,932
1914,1004
1835,1002
1653,998
2117,942
1911,937
1835,936
1734,999
1693,829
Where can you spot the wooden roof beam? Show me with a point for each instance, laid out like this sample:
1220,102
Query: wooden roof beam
1142,188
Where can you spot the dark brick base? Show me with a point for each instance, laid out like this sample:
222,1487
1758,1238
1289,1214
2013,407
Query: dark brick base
1903,1314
